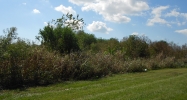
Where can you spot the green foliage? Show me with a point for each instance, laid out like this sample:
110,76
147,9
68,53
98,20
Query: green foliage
109,46
135,46
67,41
160,47
59,34
68,20
85,40
13,52
113,46
5,41
47,36
59,38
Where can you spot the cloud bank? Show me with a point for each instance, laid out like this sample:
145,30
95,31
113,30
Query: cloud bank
65,10
184,31
114,10
157,16
36,11
99,27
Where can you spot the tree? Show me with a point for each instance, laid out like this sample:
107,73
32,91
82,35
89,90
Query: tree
59,35
67,41
6,41
85,40
13,51
135,46
113,45
75,23
158,47
48,37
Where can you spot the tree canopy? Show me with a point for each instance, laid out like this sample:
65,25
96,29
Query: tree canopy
59,35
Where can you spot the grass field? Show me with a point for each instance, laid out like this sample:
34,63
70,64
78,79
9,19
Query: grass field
165,84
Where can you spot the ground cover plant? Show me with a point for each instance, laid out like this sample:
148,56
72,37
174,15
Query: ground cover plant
164,84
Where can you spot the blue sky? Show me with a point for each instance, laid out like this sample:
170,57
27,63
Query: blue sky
156,19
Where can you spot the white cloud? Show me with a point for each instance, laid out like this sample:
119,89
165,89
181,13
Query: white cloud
45,23
184,31
50,24
113,10
81,2
135,33
65,10
151,22
184,15
173,13
24,3
181,18
138,34
36,11
157,14
180,23
118,18
98,26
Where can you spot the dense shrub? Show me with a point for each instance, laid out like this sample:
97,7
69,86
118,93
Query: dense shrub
85,40
135,46
42,67
163,47
136,66
26,64
13,51
39,68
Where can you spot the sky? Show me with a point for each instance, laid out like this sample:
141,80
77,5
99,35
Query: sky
156,19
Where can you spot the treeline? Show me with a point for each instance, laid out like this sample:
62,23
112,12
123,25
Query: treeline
66,54
65,40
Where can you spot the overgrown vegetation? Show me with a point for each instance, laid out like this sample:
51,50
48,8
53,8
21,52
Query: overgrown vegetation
66,53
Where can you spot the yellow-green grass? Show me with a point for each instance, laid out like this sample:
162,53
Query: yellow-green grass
165,84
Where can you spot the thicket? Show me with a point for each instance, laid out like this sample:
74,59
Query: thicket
67,54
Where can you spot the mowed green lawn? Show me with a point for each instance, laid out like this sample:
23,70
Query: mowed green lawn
165,84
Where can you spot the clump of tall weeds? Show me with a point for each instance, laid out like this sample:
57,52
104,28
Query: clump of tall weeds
38,66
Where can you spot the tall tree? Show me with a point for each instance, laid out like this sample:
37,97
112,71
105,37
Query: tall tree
158,47
60,34
85,40
135,46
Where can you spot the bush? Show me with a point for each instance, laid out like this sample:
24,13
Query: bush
13,52
41,67
136,66
34,69
135,46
